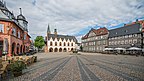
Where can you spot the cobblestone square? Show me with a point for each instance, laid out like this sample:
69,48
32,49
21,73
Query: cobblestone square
84,67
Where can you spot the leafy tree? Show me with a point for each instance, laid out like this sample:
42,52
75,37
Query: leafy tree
39,42
81,48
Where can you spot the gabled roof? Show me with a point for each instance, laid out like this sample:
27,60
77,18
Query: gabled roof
98,32
62,37
125,30
102,31
85,37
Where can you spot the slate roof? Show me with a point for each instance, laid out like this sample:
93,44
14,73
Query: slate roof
53,36
125,30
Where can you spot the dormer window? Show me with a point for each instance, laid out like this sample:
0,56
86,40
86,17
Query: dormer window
14,31
19,34
126,30
2,28
24,36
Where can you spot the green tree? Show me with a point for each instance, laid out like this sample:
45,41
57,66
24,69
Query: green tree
81,48
39,42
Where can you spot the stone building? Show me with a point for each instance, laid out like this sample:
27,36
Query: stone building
14,37
125,37
59,43
95,40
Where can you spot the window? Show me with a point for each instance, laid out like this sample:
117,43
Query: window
134,40
60,44
55,43
68,44
24,36
14,31
18,34
71,44
126,30
51,44
64,44
1,28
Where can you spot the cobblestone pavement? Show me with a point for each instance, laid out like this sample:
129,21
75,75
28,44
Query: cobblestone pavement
84,67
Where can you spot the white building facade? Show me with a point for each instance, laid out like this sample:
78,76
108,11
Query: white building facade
59,43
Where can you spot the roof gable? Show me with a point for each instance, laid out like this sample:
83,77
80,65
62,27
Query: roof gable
102,31
62,37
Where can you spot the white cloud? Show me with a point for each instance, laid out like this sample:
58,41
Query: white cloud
71,16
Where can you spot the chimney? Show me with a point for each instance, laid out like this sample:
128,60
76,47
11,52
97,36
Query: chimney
55,31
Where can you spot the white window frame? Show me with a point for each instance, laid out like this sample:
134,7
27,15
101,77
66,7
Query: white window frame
2,28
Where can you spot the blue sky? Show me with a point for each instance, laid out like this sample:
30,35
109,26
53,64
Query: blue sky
76,17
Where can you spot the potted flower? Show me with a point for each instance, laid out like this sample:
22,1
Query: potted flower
17,68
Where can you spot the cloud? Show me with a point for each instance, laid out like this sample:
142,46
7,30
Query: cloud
76,17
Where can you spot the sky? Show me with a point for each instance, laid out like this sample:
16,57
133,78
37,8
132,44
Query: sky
76,17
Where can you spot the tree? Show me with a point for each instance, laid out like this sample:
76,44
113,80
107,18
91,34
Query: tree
81,48
39,42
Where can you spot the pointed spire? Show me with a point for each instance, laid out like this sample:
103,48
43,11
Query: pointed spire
4,4
48,29
20,11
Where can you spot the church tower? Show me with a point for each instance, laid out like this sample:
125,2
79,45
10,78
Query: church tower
48,31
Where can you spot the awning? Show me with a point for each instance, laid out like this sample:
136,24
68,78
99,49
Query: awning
120,49
134,48
106,49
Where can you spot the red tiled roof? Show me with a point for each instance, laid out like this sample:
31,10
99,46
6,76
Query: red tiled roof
84,37
102,31
98,32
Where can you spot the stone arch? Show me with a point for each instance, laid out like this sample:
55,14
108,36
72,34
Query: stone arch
24,49
65,50
50,49
72,49
68,44
13,47
21,49
56,50
60,50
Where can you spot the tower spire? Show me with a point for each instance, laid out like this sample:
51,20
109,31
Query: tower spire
48,29
20,10
4,4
